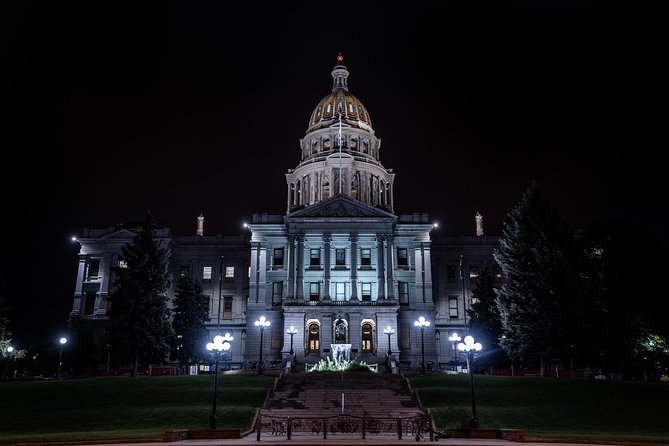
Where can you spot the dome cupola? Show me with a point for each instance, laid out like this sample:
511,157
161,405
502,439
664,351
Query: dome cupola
340,153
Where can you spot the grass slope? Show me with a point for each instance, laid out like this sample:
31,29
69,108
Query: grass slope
124,407
576,409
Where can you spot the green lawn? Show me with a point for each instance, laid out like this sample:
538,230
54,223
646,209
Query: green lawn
144,407
125,407
550,408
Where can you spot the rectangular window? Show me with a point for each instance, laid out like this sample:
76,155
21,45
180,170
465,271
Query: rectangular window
365,257
278,257
405,342
89,303
340,291
277,293
340,257
229,274
450,273
277,335
366,292
473,274
227,307
184,270
206,301
315,257
94,268
453,307
206,274
403,291
314,291
402,258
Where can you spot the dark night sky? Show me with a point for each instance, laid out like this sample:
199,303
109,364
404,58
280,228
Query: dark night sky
187,107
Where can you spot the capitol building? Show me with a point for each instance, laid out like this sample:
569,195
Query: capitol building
338,269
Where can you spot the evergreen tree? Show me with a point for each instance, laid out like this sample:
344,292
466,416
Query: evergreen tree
5,333
190,313
540,300
484,318
139,325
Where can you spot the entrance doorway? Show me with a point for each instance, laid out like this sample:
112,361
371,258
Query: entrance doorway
367,338
314,338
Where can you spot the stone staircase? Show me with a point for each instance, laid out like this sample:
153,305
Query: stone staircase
325,394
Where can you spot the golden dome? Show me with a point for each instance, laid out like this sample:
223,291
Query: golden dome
352,111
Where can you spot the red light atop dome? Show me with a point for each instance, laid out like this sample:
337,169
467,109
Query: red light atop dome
340,58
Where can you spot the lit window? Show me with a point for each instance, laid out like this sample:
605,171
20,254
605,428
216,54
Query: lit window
227,307
122,264
206,273
365,257
402,259
229,273
328,108
350,108
473,274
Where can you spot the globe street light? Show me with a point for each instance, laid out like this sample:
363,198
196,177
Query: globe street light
454,337
221,343
9,350
62,341
389,331
469,346
422,323
291,331
261,323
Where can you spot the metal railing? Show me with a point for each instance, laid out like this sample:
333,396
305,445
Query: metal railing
418,427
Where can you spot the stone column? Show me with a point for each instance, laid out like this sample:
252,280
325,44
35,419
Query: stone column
390,267
353,238
327,239
380,267
291,267
300,266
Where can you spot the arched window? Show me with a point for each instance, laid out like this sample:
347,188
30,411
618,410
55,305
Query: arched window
327,145
354,144
382,194
367,338
354,187
365,147
314,338
340,331
314,147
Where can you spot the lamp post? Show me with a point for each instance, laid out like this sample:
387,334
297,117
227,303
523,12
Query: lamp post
221,343
261,323
291,331
422,323
454,337
389,331
10,351
469,346
62,341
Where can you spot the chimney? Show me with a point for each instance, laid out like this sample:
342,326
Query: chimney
200,226
479,224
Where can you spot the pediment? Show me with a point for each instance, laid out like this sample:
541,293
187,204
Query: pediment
120,234
341,206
